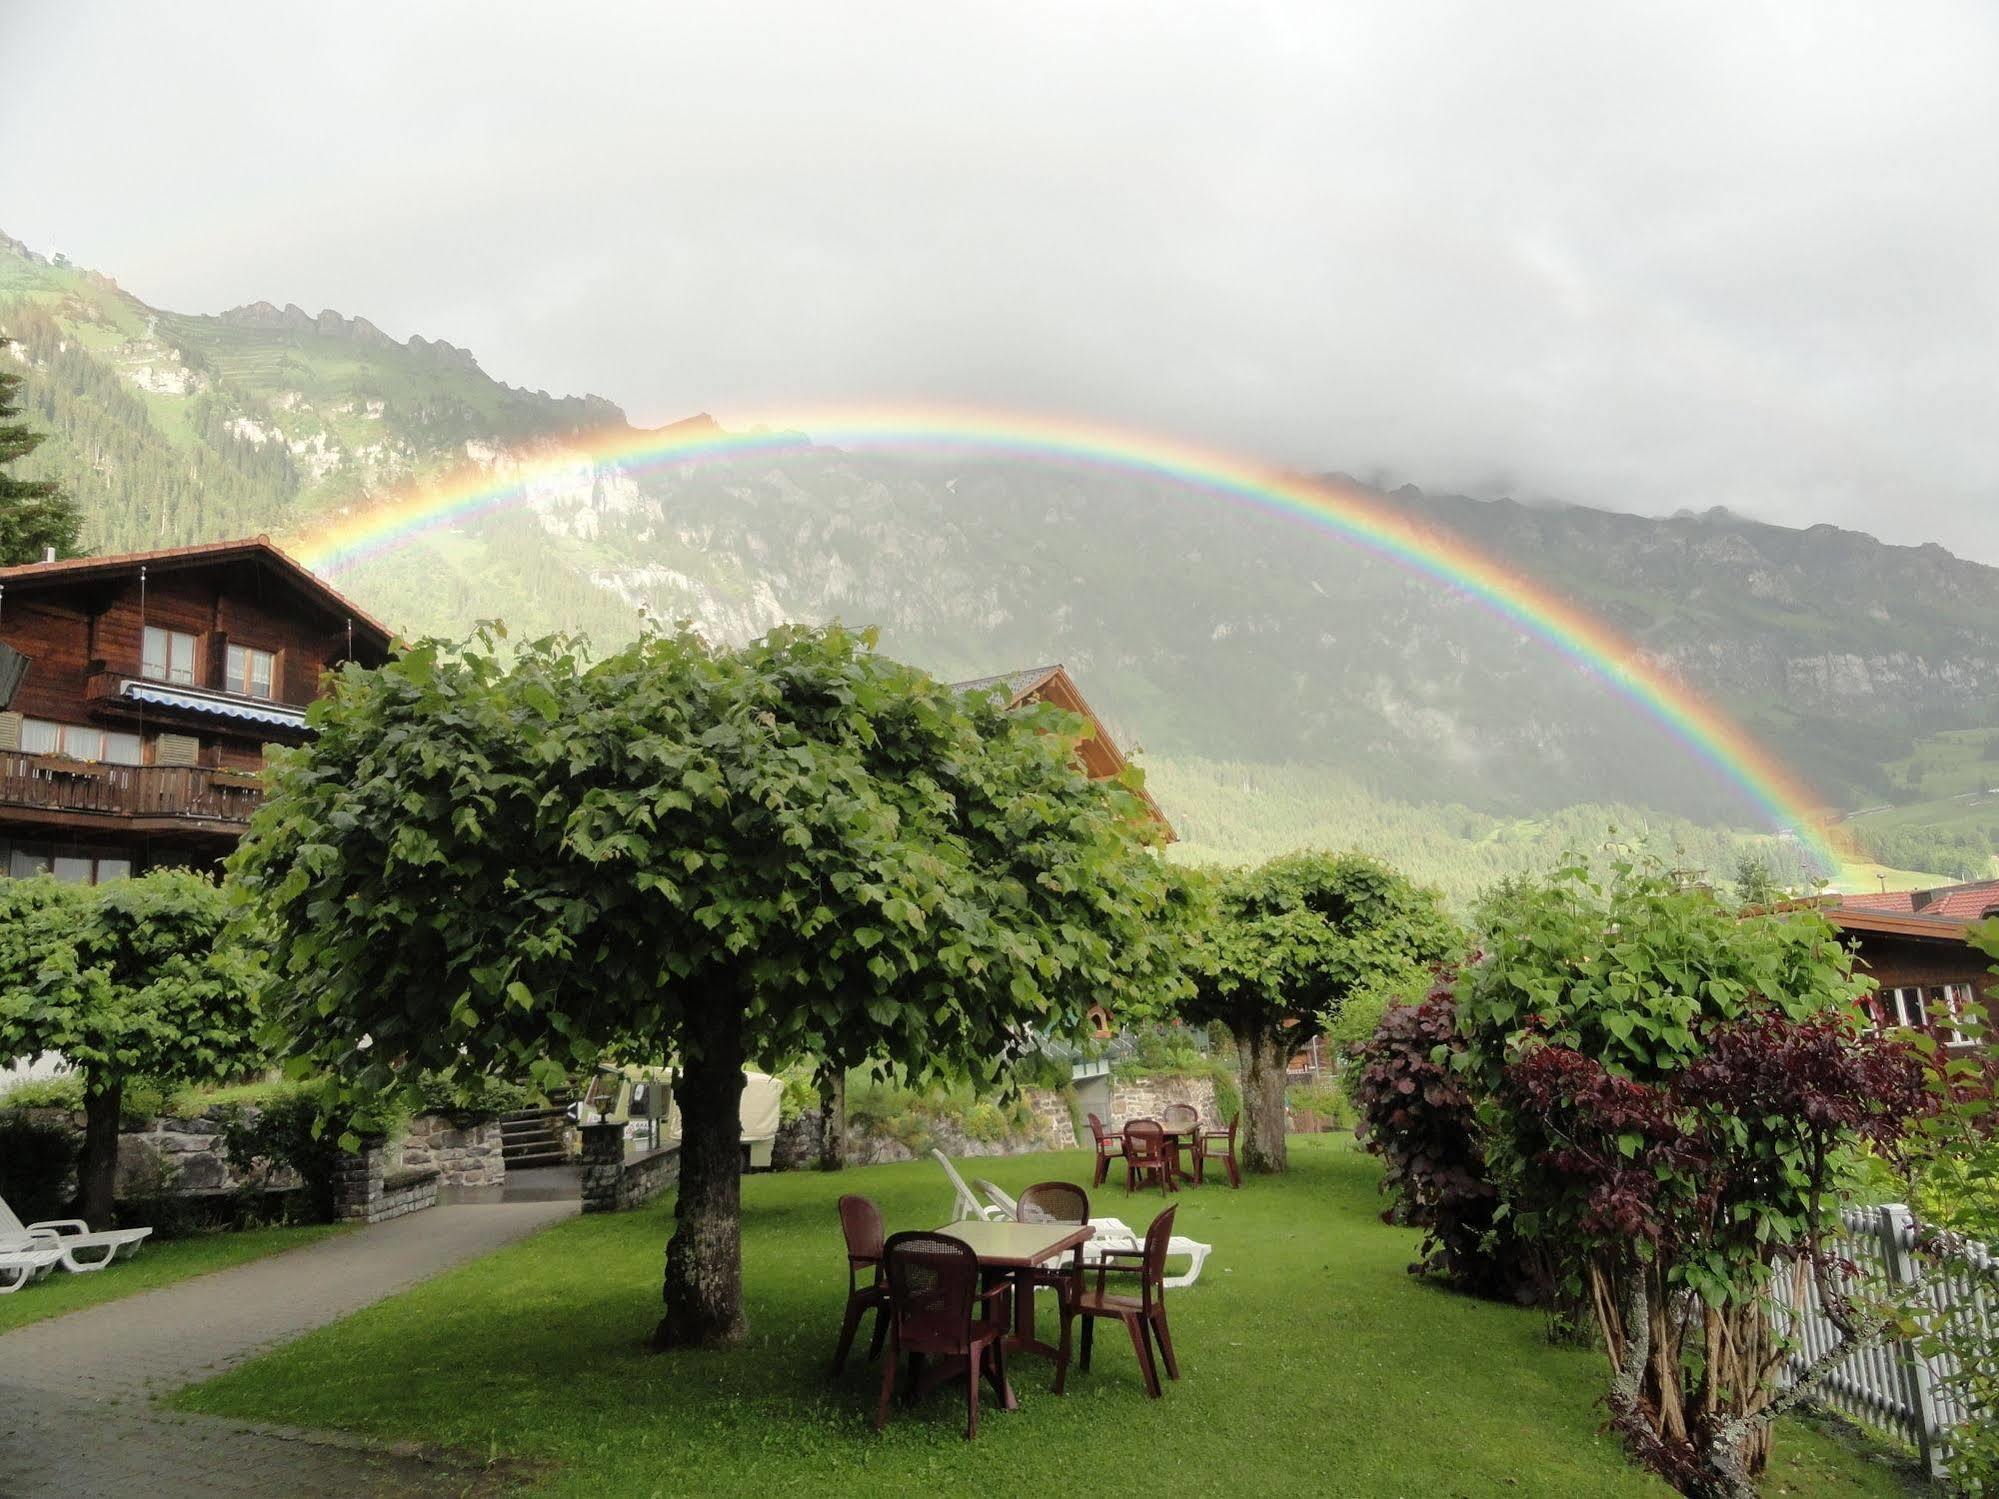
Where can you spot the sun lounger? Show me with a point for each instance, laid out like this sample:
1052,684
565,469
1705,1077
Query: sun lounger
78,1249
20,1267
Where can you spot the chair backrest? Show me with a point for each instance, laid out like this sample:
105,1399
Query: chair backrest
932,1282
11,1227
1054,1202
1234,1120
1158,1238
1182,1115
861,1222
1096,1129
1144,1140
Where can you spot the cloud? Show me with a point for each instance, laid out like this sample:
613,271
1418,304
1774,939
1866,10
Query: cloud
1642,257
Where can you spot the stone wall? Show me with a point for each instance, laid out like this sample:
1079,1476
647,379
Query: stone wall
614,1180
462,1156
1147,1097
366,1191
191,1150
1053,1126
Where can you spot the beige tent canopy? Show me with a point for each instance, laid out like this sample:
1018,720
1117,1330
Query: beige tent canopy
647,1093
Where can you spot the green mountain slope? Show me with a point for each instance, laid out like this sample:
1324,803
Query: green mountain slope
1211,636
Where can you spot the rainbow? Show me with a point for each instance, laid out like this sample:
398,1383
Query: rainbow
1360,519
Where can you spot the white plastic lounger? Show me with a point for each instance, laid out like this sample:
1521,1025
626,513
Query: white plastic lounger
22,1266
78,1249
1111,1233
964,1205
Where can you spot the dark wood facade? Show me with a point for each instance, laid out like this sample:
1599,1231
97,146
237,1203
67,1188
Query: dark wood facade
1926,970
153,683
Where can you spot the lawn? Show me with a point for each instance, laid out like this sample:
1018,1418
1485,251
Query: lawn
156,1264
1312,1363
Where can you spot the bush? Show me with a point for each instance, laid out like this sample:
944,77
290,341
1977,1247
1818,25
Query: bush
287,1134
37,1166
1417,1114
64,1091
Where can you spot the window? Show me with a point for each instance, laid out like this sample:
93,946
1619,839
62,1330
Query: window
80,741
251,672
1920,1006
73,866
169,656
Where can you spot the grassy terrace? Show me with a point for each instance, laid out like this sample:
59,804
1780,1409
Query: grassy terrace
155,1265
1312,1362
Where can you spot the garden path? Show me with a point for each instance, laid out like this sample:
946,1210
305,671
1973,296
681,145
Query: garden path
75,1391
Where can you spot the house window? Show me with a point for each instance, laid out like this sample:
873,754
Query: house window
73,866
79,741
251,671
1919,1006
169,656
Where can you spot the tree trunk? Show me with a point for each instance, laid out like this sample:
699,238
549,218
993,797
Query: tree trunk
704,1258
832,1118
1262,1050
97,1166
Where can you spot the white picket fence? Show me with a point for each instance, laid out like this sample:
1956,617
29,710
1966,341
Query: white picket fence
1894,1386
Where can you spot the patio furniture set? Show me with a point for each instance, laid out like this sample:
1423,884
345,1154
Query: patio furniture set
1151,1149
30,1251
960,1298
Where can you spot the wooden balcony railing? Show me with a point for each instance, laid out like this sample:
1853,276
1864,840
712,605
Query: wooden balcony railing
55,784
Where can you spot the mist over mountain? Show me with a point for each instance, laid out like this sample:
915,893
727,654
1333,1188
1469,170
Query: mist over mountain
1209,634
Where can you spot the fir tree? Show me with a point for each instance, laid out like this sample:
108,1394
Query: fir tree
34,513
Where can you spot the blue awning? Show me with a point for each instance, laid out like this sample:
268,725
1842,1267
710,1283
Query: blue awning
273,715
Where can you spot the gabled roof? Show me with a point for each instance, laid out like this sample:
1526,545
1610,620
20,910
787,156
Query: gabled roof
256,551
1967,902
1102,758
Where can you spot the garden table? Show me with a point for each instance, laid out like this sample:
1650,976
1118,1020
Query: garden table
1004,1250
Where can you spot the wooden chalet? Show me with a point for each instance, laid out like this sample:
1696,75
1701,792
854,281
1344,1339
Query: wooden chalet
138,694
1916,946
1100,754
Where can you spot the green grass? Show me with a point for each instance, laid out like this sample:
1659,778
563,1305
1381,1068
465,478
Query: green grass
1312,1362
155,1265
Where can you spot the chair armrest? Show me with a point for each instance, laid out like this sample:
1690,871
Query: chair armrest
996,1290
1136,1252
60,1226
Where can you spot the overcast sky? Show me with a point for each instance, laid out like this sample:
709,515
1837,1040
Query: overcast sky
1645,256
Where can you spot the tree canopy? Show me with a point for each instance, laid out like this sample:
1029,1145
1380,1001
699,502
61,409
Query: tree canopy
710,853
1287,945
34,513
135,978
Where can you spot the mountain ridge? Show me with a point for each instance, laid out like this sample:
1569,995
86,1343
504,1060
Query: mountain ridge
1204,632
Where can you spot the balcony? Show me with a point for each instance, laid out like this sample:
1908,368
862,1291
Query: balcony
61,792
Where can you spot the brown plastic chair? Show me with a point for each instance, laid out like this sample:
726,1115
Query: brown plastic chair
861,1223
1144,1316
1054,1202
1204,1151
1110,1145
933,1293
1145,1155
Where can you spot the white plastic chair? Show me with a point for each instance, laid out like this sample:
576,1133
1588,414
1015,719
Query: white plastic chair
78,1249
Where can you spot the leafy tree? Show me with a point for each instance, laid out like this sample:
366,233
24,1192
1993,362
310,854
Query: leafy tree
1283,949
136,978
34,513
723,855
1665,1093
1755,886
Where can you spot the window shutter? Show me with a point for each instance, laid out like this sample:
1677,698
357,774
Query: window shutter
10,731
176,749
